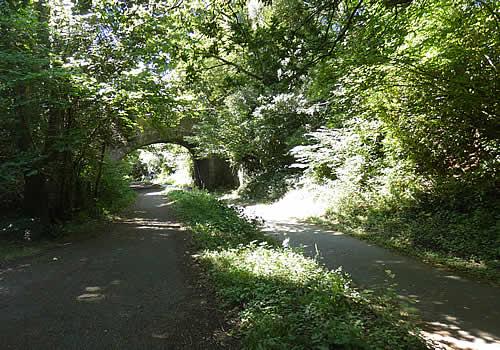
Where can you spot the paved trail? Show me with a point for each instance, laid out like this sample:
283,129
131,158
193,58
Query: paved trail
131,288
458,312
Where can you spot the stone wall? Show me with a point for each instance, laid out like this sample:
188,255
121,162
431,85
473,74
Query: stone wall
214,173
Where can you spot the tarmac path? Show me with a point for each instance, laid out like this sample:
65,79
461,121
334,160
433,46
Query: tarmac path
458,313
133,287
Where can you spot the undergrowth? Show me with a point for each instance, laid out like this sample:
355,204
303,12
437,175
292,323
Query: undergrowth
286,300
467,242
115,192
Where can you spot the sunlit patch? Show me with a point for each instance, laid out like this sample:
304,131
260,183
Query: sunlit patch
451,318
115,282
275,227
160,335
456,338
90,297
91,294
384,262
158,193
165,204
145,222
149,228
299,204
452,277
412,298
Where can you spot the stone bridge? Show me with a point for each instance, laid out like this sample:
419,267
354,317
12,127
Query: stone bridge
209,173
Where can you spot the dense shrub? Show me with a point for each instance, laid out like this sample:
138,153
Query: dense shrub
115,193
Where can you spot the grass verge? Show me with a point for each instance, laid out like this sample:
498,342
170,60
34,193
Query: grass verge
13,250
456,243
285,300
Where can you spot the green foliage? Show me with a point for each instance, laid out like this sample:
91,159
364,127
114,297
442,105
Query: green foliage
256,131
411,140
74,82
216,224
286,301
290,302
162,163
115,193
267,187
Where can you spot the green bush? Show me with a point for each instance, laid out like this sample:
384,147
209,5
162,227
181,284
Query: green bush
285,300
463,239
267,187
115,193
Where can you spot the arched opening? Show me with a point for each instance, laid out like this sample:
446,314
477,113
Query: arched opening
162,164
211,172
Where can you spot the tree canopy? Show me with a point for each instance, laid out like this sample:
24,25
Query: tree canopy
394,96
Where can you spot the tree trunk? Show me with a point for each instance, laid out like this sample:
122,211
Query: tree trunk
99,172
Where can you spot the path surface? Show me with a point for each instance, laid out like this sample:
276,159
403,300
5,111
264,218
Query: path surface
459,313
131,288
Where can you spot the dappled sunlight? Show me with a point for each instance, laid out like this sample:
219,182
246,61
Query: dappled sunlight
455,318
166,204
453,337
90,297
145,223
92,294
297,204
456,278
376,119
269,281
284,296
150,224
158,193
152,227
273,226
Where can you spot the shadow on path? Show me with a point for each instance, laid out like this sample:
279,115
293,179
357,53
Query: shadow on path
130,288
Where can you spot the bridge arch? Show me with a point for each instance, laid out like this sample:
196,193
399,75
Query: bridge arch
210,173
